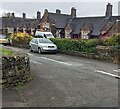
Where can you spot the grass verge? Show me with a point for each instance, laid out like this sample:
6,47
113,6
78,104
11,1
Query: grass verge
4,51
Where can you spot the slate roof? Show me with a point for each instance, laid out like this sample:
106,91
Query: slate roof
18,22
60,20
95,23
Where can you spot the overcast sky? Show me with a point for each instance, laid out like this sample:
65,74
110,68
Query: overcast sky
83,8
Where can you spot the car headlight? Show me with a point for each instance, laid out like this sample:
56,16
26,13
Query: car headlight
55,46
45,46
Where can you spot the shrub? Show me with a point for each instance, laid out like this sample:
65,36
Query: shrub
86,45
76,45
21,37
113,40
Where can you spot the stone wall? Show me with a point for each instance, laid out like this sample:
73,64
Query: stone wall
103,53
15,70
108,53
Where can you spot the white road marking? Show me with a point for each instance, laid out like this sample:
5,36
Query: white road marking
35,62
75,64
106,73
60,62
118,70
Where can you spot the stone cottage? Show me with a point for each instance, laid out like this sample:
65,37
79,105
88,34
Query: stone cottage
56,22
91,27
12,24
70,26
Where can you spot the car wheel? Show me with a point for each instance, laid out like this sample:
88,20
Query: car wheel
30,48
5,44
39,51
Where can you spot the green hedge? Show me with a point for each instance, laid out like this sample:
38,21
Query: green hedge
85,45
70,45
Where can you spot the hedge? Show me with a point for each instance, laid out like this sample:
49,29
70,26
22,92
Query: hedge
85,45
76,45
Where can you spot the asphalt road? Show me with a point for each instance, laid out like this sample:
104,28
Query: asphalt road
66,81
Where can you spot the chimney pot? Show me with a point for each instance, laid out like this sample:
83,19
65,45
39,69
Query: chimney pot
73,12
46,10
58,11
108,10
24,15
38,15
13,15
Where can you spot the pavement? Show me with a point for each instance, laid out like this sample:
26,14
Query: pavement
65,81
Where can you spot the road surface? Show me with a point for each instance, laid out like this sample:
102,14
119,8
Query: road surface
66,81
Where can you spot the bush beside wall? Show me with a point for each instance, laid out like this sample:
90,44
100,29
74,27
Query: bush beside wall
20,39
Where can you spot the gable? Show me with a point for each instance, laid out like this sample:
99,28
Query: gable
85,28
107,27
68,28
115,29
45,17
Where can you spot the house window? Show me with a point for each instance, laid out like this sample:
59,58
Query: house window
85,34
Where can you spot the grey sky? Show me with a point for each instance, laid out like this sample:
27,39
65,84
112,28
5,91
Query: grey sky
83,8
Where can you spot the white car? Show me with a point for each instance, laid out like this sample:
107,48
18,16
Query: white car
41,34
41,45
3,39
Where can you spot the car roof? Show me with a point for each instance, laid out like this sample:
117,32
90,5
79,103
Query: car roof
41,38
44,32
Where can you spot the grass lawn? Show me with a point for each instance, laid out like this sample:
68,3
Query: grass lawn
4,51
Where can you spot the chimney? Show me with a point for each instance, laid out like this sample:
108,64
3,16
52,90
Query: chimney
46,11
24,15
108,10
73,12
58,11
38,15
13,15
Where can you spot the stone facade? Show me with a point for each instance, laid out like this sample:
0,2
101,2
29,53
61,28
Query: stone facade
68,30
56,22
85,31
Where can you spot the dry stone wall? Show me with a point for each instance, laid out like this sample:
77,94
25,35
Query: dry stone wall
108,53
15,70
104,53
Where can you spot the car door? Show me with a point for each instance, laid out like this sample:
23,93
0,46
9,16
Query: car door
36,45
32,44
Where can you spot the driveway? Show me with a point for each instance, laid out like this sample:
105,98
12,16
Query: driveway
66,81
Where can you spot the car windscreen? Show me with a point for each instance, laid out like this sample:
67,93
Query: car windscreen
49,35
2,36
44,41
